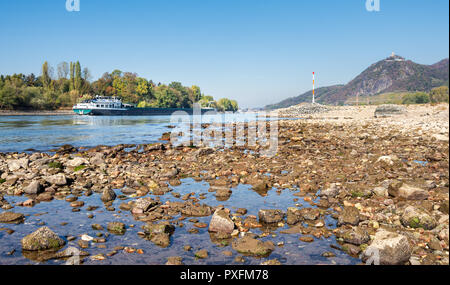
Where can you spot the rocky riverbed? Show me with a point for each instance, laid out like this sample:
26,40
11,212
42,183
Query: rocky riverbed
335,193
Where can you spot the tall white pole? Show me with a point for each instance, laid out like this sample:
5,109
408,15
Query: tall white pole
313,95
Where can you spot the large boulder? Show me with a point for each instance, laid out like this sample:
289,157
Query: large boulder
221,222
14,165
418,218
34,187
270,216
388,248
251,246
389,110
42,239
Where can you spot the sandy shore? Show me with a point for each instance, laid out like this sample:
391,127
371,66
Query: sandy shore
424,119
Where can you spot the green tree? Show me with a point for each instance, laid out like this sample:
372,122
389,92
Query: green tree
439,95
45,77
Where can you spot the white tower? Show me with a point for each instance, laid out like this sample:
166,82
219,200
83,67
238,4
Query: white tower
313,95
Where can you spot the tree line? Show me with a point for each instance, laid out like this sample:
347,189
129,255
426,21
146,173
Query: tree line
436,95
72,84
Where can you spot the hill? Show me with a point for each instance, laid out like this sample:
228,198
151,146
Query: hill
391,75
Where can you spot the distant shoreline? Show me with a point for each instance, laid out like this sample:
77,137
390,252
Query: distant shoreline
36,113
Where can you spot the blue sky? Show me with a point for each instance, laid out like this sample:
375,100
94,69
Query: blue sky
255,51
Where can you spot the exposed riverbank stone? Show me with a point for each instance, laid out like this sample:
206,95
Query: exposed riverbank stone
193,210
353,235
77,161
349,215
221,222
389,110
252,246
418,218
34,187
331,191
142,205
57,179
270,216
405,191
388,248
11,218
42,239
14,165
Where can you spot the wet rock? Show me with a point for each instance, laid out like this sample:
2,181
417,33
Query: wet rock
160,233
388,248
271,262
44,197
223,192
116,228
418,218
270,216
162,240
163,227
306,239
221,222
57,179
353,235
202,254
328,254
142,205
261,187
97,227
241,211
34,187
293,216
252,246
77,204
108,195
349,215
405,191
174,260
42,239
192,210
11,218
128,191
66,149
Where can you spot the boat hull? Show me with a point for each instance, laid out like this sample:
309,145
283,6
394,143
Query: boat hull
139,111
